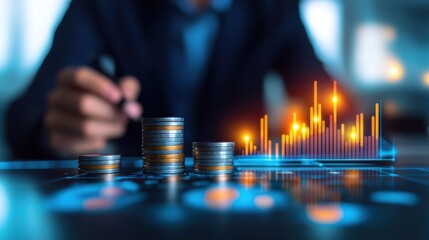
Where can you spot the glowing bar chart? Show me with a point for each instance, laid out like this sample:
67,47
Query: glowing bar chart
319,138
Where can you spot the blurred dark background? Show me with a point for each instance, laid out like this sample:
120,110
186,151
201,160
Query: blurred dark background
376,47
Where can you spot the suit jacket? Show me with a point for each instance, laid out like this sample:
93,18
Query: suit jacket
254,37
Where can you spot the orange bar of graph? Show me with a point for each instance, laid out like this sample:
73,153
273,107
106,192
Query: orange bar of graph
287,146
372,136
331,132
353,143
299,146
266,134
377,129
251,148
246,151
335,100
255,148
342,140
361,129
357,136
322,150
377,121
261,143
283,145
277,150
319,128
310,140
337,154
327,143
269,148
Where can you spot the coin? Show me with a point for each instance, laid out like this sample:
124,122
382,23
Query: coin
98,156
96,162
163,128
213,144
163,119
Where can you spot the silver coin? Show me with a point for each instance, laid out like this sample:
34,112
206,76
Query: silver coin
217,153
213,144
162,143
163,135
213,161
162,124
198,164
94,162
162,131
98,157
213,149
163,119
205,172
181,164
214,157
163,152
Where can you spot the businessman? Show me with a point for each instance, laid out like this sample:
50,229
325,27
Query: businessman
203,60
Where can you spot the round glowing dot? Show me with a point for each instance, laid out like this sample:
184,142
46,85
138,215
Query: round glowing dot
315,119
295,126
246,138
264,201
325,214
353,136
304,130
220,198
426,78
335,99
97,203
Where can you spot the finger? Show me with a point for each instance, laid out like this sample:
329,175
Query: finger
72,145
130,87
89,80
133,110
84,127
83,103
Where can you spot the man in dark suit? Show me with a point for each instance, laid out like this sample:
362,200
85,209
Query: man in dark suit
201,59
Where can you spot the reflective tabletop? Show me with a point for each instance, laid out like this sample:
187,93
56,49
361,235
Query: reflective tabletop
43,199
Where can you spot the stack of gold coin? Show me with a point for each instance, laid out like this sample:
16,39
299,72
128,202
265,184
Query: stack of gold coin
213,157
99,163
162,145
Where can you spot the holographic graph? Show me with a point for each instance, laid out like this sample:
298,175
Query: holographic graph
324,139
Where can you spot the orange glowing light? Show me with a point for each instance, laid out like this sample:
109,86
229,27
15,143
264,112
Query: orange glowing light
353,135
295,126
246,138
220,198
395,70
335,99
315,119
328,214
426,78
264,201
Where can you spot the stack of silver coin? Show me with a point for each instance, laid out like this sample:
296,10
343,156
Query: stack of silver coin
162,145
213,157
99,163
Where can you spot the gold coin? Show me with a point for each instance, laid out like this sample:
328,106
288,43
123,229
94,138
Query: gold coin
165,156
99,167
176,147
215,168
163,128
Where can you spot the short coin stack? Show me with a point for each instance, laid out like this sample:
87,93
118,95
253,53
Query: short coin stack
162,145
99,163
213,157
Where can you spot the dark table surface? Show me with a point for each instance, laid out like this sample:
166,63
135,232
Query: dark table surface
43,199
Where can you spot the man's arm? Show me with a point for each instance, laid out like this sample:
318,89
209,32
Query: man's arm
77,42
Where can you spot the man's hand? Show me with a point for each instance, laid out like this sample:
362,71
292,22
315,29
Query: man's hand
83,112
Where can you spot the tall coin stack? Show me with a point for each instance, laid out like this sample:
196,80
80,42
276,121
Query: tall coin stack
162,145
99,163
213,157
